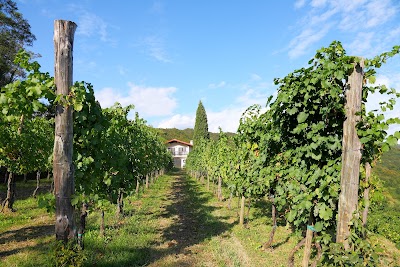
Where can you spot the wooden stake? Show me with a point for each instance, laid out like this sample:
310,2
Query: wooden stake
242,206
307,247
351,156
63,170
37,184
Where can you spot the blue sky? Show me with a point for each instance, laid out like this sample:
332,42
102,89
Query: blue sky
164,56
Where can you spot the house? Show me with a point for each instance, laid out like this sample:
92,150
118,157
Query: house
179,151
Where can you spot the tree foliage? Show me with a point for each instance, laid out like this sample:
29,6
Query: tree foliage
15,34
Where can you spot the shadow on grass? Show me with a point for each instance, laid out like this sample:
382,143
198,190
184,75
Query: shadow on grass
192,223
193,219
22,235
24,190
263,209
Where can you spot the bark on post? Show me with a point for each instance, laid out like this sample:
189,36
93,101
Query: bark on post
37,183
351,156
63,170
268,244
219,190
102,224
241,215
9,201
120,203
137,186
82,225
230,200
307,245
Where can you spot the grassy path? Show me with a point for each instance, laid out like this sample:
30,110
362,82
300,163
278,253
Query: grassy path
191,224
176,222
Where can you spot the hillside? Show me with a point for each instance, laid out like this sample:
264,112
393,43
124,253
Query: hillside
184,135
388,170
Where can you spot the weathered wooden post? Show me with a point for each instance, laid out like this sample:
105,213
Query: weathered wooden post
63,169
242,206
351,155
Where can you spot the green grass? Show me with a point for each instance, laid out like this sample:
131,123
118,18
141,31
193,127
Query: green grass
176,222
256,232
25,235
127,241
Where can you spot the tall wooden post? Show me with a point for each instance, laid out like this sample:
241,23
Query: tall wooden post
63,169
241,214
351,155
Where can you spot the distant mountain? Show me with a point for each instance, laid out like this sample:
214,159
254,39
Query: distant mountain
184,135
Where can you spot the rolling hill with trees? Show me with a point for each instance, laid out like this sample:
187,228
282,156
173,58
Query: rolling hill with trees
184,135
388,170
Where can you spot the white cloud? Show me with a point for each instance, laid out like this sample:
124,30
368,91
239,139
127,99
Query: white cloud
148,101
109,96
227,119
217,85
393,34
155,47
379,12
255,77
252,96
356,16
253,91
362,43
178,121
299,3
318,3
301,43
91,25
153,101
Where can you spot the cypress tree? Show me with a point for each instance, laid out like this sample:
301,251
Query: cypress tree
201,125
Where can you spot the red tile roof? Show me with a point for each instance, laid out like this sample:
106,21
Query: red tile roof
178,141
